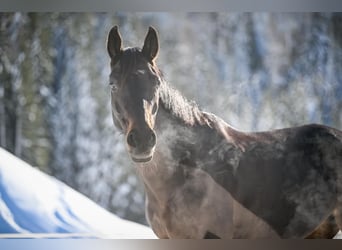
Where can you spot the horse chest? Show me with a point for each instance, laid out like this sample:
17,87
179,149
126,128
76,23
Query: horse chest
189,207
183,200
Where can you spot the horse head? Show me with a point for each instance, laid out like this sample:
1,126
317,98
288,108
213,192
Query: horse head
134,82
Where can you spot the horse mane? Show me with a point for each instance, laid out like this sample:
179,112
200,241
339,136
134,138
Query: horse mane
128,60
179,106
190,113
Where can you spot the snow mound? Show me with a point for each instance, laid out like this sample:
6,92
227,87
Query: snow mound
33,204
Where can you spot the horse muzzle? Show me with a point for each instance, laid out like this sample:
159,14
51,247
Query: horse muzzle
141,146
144,159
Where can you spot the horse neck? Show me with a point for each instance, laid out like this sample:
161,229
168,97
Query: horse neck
184,111
179,127
180,124
185,115
176,126
173,136
184,136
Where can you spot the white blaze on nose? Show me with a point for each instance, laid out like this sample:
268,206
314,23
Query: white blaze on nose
141,71
147,110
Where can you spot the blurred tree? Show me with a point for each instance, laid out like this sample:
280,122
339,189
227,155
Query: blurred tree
10,79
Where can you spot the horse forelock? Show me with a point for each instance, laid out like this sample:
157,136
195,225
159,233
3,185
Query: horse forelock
128,61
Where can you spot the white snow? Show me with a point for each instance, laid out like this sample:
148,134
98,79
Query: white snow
40,198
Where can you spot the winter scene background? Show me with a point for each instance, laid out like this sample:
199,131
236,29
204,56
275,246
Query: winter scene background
258,71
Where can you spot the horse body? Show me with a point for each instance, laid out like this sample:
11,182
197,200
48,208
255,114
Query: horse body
205,179
257,185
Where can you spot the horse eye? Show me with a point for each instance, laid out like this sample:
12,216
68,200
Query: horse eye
113,85
140,72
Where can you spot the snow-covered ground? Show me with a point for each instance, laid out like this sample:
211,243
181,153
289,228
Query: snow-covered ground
33,204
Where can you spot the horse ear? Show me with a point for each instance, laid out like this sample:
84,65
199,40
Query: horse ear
151,45
114,43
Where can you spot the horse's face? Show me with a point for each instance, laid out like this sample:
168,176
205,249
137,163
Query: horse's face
134,82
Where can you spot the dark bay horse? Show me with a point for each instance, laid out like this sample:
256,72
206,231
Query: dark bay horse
205,179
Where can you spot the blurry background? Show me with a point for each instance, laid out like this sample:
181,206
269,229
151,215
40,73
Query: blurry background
258,71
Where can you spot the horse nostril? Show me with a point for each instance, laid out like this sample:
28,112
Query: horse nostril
142,141
131,139
153,139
